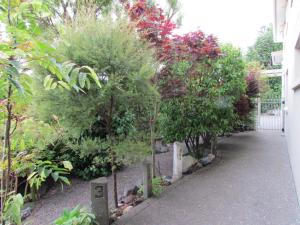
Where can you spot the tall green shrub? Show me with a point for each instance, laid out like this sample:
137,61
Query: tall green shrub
205,109
123,63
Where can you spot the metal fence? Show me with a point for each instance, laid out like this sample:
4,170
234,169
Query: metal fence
269,114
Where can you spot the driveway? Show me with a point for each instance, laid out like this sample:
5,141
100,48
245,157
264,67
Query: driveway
251,185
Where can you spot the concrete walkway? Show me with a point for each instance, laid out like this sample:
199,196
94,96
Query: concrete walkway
251,185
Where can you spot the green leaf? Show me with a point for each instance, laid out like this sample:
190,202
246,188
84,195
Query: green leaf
17,85
74,76
67,68
42,173
88,83
81,79
64,85
31,175
93,75
55,176
12,209
53,85
43,47
68,165
65,180
47,81
11,70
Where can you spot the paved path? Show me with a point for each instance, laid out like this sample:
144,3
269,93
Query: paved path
251,185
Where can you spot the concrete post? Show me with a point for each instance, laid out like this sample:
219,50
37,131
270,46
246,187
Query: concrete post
99,197
147,179
177,161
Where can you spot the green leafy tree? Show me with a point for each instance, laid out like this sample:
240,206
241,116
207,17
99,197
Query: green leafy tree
263,47
124,64
67,10
205,107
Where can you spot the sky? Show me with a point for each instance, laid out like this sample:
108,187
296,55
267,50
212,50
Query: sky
232,21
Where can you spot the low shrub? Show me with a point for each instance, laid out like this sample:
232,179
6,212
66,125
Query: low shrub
89,157
76,216
157,186
12,209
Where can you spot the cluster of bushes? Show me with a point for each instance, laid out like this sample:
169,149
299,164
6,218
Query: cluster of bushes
59,125
87,103
111,85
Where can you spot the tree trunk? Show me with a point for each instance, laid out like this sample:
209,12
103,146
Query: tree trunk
113,154
214,144
153,136
7,134
6,146
207,140
6,154
115,189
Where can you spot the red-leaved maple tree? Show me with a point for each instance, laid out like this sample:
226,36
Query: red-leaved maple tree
155,27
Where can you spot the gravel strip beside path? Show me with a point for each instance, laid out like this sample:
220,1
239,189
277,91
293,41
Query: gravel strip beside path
49,207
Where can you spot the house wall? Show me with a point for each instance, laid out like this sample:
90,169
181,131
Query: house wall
291,68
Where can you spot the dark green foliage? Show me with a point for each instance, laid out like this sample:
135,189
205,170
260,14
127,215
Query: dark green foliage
263,47
89,157
245,106
204,107
123,63
275,84
119,111
272,89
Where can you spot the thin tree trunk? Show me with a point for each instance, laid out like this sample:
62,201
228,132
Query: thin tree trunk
6,154
113,154
153,136
7,134
115,189
114,173
6,145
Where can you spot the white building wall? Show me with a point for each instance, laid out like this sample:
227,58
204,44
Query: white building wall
291,68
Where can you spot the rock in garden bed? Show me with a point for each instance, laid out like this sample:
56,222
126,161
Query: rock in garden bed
207,160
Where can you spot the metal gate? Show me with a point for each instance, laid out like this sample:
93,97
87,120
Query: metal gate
269,114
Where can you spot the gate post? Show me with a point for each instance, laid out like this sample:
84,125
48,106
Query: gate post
258,113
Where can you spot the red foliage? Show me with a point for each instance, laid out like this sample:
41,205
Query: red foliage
244,106
252,85
150,21
171,86
193,46
155,27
